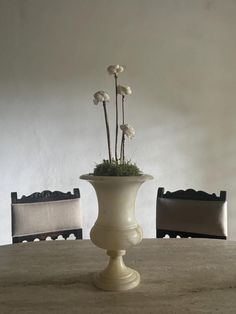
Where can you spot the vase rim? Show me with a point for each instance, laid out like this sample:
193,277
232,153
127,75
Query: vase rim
91,177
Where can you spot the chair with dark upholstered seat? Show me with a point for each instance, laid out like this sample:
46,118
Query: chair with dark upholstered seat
46,214
191,213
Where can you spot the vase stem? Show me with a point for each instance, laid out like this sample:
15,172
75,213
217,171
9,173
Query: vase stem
117,276
116,264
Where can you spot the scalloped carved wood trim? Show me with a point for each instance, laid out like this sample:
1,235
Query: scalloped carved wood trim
191,194
78,233
45,196
161,233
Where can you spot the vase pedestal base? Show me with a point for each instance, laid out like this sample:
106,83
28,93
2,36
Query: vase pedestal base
117,277
130,281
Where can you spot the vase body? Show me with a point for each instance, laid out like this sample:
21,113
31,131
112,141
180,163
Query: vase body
116,228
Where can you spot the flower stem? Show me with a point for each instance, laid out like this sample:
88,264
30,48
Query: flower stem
108,131
122,146
123,109
116,139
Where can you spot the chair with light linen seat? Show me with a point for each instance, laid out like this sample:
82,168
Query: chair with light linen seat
46,214
191,213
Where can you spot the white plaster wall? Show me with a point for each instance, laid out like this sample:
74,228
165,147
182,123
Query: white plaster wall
180,62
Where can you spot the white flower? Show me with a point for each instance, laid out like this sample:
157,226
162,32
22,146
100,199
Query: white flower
115,69
128,130
100,96
124,90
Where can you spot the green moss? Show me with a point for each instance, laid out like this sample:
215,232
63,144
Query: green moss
116,169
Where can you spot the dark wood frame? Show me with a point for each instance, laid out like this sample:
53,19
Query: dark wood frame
189,194
45,196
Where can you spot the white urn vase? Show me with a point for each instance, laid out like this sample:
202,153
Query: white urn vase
116,228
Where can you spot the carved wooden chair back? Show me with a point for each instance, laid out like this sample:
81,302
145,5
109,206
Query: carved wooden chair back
46,214
191,213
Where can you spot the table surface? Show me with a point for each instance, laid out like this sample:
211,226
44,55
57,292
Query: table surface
177,276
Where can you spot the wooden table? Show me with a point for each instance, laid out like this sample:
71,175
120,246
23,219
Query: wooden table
177,276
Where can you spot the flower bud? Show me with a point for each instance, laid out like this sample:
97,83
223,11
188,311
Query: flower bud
128,130
124,90
115,69
100,96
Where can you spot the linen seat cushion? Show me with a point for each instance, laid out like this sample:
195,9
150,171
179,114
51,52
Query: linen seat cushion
203,217
43,217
